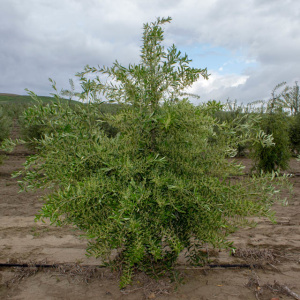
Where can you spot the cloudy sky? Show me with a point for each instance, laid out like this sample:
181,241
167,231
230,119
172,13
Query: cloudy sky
247,46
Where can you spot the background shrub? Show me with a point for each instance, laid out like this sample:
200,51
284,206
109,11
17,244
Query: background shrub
277,156
5,124
294,134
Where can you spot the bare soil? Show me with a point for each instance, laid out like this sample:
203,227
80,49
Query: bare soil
275,247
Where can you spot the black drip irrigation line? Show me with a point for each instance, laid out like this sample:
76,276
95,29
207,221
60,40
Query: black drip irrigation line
9,265
209,266
246,266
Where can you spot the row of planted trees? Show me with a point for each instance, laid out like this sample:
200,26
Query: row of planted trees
152,178
278,116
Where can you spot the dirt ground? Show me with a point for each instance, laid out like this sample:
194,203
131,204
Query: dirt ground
274,246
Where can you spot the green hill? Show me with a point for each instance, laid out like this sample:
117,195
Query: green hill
23,99
17,103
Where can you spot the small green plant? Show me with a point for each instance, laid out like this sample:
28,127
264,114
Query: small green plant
161,183
35,232
42,119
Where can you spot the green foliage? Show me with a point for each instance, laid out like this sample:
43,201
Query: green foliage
42,119
14,110
14,105
34,122
277,156
5,124
294,134
275,122
162,182
289,98
238,117
5,128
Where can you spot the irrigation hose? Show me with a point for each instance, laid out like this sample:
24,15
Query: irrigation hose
209,266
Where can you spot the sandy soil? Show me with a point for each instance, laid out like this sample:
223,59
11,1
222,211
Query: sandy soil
275,246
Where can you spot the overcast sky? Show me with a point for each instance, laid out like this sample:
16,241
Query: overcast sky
247,46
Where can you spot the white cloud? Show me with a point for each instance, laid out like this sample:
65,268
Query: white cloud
215,86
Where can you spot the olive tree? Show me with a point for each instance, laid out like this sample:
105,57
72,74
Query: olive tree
161,184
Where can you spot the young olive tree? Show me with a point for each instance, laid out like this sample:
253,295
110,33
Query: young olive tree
277,156
161,184
275,122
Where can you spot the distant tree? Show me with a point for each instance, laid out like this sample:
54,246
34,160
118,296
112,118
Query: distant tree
294,134
288,99
276,100
291,98
275,122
